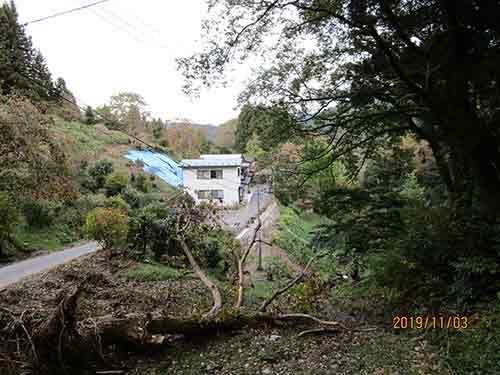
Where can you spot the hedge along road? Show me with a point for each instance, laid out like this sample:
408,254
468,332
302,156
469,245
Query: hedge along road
15,272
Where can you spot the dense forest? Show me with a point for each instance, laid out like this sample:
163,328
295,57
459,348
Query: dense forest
375,125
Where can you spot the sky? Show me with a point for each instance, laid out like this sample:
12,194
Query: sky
129,45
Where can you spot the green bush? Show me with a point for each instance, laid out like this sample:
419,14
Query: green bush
38,213
99,172
133,198
152,229
9,217
71,217
109,226
141,183
88,202
116,202
210,252
115,183
152,272
439,256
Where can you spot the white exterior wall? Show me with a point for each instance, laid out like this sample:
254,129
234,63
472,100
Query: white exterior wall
229,183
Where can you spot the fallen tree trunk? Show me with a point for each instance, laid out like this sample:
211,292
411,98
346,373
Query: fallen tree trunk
138,329
216,296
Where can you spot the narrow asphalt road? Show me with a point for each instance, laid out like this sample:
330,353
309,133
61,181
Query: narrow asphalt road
237,220
17,271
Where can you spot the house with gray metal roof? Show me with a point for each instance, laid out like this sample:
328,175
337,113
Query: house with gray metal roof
216,178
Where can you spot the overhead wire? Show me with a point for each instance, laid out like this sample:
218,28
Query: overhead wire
142,33
137,38
65,12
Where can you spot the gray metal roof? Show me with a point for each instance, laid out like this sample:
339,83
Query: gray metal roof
209,162
220,156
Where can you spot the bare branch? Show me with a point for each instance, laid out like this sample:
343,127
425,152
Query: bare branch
241,268
295,281
216,296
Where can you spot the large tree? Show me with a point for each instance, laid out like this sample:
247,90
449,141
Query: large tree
357,71
22,67
130,110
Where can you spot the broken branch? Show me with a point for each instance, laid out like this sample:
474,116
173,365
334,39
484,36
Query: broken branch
292,283
216,296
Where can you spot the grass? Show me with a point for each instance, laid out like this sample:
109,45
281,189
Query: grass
295,233
86,141
52,238
261,291
152,272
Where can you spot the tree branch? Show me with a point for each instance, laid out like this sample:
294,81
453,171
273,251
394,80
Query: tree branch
295,281
216,296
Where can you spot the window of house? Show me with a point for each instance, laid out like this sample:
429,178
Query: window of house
216,174
203,174
203,194
217,194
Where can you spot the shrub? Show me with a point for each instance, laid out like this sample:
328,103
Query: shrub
38,213
411,191
141,183
99,172
115,183
116,202
9,217
152,272
151,229
109,226
439,256
210,252
71,217
132,197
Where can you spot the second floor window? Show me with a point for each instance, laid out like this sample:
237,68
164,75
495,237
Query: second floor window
216,174
203,174
209,174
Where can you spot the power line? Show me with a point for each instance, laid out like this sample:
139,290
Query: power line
137,38
66,12
144,34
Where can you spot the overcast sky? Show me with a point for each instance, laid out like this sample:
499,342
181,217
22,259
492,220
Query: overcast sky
128,45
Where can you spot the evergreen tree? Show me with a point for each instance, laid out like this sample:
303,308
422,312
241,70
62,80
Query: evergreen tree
22,67
90,116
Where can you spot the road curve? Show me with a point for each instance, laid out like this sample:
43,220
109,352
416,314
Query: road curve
17,271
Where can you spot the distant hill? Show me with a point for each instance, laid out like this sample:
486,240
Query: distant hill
208,130
225,134
222,135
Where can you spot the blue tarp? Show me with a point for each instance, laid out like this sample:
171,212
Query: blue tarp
158,164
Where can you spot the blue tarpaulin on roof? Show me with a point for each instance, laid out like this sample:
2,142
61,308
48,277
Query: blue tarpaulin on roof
158,164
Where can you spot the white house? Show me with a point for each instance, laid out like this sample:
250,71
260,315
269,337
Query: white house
214,178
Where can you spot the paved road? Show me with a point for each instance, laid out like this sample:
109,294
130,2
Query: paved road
17,271
237,220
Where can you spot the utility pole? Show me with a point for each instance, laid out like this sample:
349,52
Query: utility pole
259,244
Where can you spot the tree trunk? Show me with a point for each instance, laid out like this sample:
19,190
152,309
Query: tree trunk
214,290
